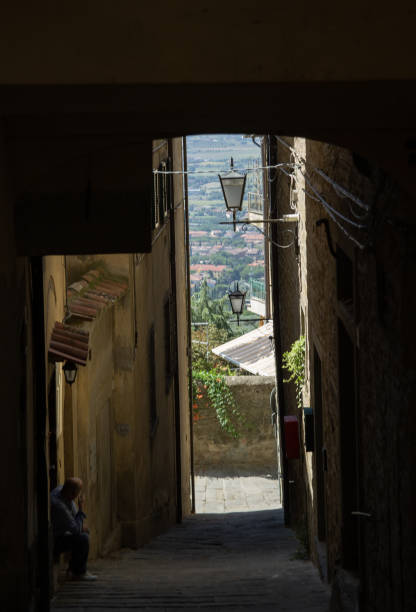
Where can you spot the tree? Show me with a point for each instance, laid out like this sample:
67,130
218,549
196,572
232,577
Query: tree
209,310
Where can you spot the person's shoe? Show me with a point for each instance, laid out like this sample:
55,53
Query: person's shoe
87,577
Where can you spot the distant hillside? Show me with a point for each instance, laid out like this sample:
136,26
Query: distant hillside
234,256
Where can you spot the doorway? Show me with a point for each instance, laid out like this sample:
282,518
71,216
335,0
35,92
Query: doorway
349,476
320,453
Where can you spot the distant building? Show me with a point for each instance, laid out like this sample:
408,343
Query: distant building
215,270
198,233
253,237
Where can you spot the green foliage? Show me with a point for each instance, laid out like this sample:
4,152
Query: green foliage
206,309
294,362
211,386
202,356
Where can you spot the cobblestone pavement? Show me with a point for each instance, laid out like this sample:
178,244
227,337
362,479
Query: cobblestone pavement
235,493
225,561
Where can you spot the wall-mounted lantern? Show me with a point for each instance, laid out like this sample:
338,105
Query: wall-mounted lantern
233,185
237,299
70,372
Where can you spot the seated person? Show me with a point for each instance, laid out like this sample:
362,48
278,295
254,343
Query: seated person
68,530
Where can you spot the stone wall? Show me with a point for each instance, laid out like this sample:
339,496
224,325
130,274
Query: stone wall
255,450
367,373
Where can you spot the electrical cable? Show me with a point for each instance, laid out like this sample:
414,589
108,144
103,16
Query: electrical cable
335,220
270,179
332,212
291,149
289,174
329,207
302,165
245,227
357,215
277,166
341,190
310,195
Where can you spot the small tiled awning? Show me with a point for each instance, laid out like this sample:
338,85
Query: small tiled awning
252,351
93,292
68,342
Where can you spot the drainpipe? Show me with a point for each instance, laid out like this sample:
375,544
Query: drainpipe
274,261
178,454
189,317
276,431
266,229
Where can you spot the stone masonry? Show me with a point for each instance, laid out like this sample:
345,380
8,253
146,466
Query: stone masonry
222,562
255,450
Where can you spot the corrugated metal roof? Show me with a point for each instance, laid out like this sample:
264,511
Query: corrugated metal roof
93,292
68,342
252,351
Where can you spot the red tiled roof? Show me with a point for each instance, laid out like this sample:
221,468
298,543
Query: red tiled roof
68,342
253,237
207,267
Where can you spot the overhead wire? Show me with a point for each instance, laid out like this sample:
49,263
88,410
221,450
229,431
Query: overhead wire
332,212
341,191
329,207
281,246
301,165
275,167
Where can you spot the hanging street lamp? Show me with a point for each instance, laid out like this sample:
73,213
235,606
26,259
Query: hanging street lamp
70,372
237,299
233,185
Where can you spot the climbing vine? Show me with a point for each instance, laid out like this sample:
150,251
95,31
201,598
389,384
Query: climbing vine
211,386
294,362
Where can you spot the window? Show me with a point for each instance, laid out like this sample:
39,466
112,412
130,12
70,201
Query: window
156,201
162,193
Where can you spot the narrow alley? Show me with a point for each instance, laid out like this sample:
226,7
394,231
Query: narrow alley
219,560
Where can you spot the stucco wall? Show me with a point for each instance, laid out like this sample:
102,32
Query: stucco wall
128,463
255,450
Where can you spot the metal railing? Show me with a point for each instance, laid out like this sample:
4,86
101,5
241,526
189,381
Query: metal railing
255,202
257,290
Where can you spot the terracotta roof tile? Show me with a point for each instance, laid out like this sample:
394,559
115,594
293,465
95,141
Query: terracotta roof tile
93,293
91,276
68,342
